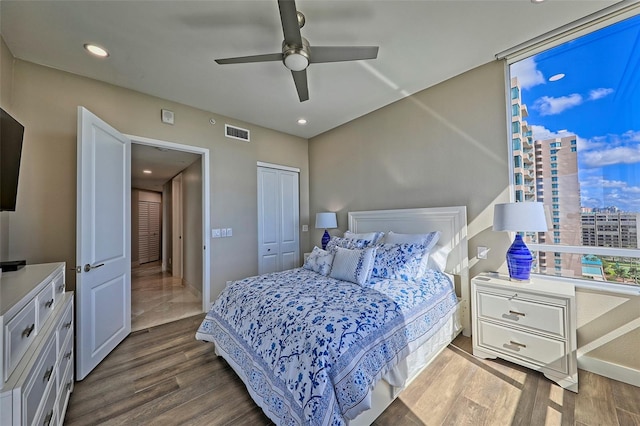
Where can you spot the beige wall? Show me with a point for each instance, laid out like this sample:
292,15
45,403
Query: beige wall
6,98
448,145
46,101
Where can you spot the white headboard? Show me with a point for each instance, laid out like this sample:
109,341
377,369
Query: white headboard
450,221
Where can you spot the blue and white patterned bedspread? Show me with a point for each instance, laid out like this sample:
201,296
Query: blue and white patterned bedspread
310,348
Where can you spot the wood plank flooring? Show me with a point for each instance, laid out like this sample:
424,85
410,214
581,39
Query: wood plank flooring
163,376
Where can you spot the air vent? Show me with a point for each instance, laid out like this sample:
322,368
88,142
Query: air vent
236,133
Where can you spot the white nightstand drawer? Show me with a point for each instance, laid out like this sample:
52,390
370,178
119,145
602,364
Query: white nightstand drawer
538,350
515,311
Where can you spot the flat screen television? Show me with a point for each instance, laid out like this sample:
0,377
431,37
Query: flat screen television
11,133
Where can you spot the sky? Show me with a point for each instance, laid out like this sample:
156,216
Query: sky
598,100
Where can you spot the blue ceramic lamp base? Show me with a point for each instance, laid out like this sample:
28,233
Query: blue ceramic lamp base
325,239
519,260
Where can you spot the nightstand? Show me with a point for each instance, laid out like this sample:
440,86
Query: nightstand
532,324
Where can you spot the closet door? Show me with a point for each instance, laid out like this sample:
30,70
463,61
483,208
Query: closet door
278,220
148,231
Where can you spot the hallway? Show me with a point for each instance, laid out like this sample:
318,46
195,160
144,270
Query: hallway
158,298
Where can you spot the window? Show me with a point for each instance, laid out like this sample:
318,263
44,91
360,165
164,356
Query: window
517,144
583,104
518,179
515,127
515,110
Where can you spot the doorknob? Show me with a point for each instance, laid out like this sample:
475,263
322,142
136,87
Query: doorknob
88,267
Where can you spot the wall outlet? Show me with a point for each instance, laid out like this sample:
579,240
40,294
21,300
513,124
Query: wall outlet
305,228
483,252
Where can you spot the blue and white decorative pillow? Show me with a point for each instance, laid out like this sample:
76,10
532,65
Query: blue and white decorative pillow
319,261
348,243
353,265
399,261
404,261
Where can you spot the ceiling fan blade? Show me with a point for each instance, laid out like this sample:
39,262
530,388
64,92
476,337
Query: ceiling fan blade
300,78
254,58
342,53
290,26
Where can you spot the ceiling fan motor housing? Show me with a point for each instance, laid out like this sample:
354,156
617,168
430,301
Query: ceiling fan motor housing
296,58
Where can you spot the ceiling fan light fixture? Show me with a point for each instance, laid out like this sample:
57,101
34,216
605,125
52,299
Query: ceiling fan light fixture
296,59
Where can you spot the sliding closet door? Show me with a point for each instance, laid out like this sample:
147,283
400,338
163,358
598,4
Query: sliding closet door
278,220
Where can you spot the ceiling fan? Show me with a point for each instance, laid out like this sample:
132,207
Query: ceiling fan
297,54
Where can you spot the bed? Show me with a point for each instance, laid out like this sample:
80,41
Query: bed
316,347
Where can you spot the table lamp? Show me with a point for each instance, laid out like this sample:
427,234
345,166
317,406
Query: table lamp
326,220
519,217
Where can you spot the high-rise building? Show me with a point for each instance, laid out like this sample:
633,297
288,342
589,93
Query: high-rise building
558,188
610,229
524,178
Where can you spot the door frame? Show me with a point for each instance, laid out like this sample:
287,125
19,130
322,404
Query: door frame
204,152
177,229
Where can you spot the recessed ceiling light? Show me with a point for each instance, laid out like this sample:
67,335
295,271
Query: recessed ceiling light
556,77
96,50
302,121
148,172
537,1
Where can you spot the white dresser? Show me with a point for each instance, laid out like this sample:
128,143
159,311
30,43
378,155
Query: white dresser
531,324
36,362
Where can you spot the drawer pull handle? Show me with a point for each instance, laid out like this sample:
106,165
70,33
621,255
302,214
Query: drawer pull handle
47,420
69,384
47,374
67,324
520,345
49,304
516,313
27,331
60,288
67,355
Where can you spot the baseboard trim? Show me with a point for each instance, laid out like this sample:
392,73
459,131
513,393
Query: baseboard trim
610,370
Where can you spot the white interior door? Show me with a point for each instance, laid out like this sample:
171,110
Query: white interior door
103,247
176,206
278,220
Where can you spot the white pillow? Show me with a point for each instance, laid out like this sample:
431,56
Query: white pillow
374,237
319,261
353,265
395,238
438,258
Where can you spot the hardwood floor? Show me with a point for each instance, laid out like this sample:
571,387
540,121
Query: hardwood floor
163,376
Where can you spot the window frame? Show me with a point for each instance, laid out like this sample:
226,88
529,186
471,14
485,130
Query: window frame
606,17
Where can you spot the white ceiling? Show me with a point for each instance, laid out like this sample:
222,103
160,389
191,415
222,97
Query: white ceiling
167,49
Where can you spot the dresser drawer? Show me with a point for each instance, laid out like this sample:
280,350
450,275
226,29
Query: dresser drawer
517,310
43,374
66,357
47,415
58,285
65,326
538,350
64,391
45,304
19,332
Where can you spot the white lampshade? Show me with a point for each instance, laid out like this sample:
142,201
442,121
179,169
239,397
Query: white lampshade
520,217
326,220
